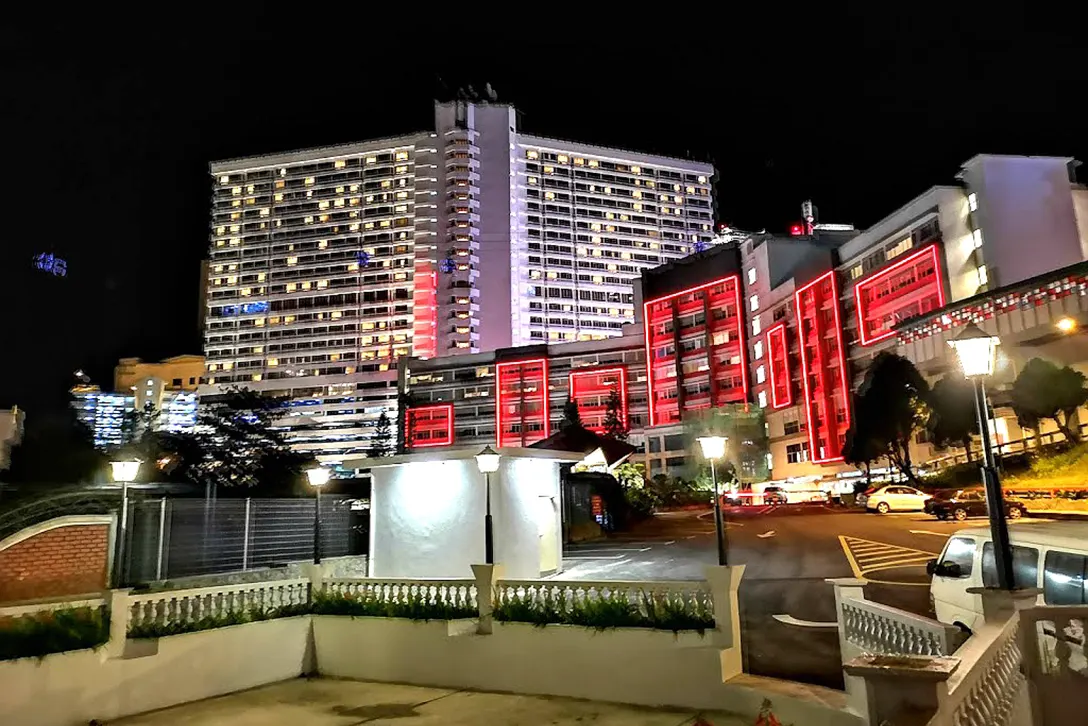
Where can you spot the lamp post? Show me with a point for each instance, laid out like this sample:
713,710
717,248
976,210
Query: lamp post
977,352
488,461
124,472
714,448
318,477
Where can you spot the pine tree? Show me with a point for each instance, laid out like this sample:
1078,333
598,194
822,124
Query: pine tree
382,441
615,422
571,417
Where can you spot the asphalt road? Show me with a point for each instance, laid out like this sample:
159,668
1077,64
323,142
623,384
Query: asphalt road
790,552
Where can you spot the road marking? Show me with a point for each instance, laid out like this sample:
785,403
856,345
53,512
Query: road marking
765,535
790,620
867,556
926,531
598,557
610,549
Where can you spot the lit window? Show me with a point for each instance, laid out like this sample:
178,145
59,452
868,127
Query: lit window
976,238
236,191
323,204
972,201
264,212
322,244
549,169
752,276
702,180
754,302
757,327
533,180
758,349
983,277
594,163
761,374
292,261
678,199
549,195
339,164
371,159
401,156
260,277
899,249
308,181
273,362
224,180
530,154
322,284
291,287
856,271
308,220
762,397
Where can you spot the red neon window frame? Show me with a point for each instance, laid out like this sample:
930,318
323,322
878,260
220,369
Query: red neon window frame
741,323
779,331
499,420
813,446
587,372
410,413
859,298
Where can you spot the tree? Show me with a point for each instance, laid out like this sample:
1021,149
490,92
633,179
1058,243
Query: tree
897,392
405,422
861,447
953,418
571,417
381,443
630,475
238,445
1045,391
615,422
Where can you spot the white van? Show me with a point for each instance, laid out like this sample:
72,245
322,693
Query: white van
1052,556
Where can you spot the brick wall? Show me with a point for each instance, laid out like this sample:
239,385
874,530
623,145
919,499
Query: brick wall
66,560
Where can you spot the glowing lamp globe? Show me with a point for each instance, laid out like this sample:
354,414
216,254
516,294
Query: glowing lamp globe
124,471
488,460
713,446
318,476
977,351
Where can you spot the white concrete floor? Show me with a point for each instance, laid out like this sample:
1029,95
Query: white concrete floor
326,702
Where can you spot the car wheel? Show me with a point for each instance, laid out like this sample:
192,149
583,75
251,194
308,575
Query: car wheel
960,514
883,508
1015,513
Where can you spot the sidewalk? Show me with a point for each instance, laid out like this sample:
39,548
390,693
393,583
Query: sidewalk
327,702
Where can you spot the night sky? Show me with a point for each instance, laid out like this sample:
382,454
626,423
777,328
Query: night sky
109,129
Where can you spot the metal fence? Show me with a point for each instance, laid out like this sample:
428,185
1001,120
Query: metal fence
172,538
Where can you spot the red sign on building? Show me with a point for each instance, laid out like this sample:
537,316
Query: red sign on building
590,389
426,426
909,288
521,402
695,356
778,355
823,367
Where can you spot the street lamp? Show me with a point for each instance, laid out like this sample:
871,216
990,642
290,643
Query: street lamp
1066,325
977,352
488,461
318,477
714,448
124,472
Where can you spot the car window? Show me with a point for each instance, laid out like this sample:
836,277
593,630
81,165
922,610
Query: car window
1025,566
1065,579
898,490
961,550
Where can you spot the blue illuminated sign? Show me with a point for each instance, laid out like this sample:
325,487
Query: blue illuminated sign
447,265
55,266
244,309
363,258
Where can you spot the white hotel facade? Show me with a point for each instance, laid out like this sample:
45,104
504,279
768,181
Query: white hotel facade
327,265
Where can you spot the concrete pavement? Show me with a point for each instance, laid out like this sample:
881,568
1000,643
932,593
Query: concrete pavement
329,702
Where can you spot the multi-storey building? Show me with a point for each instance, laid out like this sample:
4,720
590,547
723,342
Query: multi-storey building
791,323
327,265
179,373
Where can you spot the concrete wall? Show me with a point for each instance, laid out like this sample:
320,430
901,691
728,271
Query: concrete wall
61,556
645,667
72,688
427,517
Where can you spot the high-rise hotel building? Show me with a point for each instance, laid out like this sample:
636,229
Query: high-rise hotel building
326,265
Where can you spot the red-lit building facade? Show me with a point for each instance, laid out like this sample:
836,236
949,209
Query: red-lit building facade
786,323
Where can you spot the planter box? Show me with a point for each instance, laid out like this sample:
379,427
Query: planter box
637,639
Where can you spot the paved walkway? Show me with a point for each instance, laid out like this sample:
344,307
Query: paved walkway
325,702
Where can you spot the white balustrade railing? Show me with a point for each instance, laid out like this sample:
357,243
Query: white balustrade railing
1055,639
563,595
988,684
433,592
877,628
179,607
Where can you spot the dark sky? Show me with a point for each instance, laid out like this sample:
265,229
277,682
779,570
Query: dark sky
110,123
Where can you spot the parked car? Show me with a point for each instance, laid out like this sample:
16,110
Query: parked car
893,498
775,495
970,503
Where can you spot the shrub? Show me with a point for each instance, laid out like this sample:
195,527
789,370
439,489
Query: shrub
416,606
605,612
163,630
33,636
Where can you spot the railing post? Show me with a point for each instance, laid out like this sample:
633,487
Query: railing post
724,583
245,537
316,574
849,588
902,690
487,576
162,538
999,605
119,618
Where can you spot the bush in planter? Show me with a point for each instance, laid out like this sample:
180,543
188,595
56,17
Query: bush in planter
33,636
675,614
415,606
528,609
163,630
613,611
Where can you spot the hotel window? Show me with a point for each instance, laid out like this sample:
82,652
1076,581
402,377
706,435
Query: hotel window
339,164
761,374
797,453
308,181
530,154
752,276
401,156
899,249
983,277
856,271
762,399
976,239
756,326
754,301
972,201
758,349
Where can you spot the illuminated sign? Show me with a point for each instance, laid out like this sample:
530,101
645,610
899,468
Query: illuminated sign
426,426
778,354
55,266
590,389
899,292
818,364
521,402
